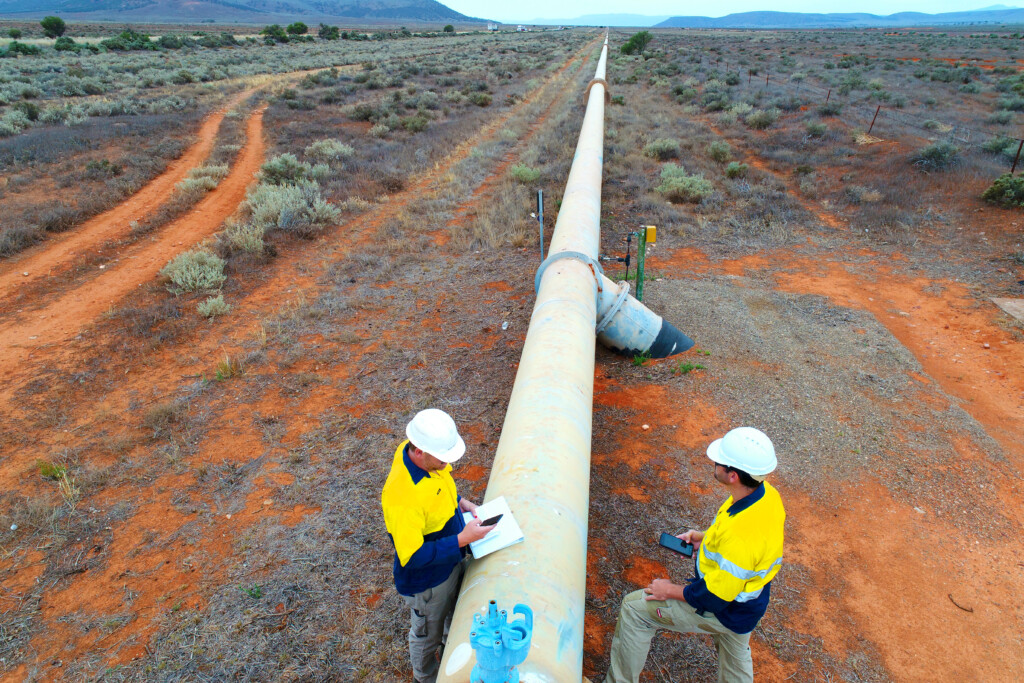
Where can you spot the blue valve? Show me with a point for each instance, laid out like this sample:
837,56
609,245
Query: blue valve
500,646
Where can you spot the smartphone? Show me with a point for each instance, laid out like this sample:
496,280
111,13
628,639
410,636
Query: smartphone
492,521
676,544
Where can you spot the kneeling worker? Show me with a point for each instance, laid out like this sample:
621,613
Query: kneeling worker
423,515
737,558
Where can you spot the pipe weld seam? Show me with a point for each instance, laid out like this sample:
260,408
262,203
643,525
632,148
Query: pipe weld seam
595,269
593,82
623,293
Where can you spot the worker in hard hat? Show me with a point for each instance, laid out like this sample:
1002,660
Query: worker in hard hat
423,515
736,560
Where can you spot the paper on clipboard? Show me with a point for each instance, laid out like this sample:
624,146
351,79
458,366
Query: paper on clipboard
506,532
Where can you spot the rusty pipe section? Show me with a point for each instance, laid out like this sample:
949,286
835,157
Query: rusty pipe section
542,463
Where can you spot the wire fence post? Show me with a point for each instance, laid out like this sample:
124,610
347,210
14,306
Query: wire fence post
766,80
828,95
1016,158
749,76
873,119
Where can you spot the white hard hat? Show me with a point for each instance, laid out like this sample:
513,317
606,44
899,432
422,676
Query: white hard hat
747,449
434,431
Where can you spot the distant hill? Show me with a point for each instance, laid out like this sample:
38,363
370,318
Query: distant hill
801,20
603,20
241,11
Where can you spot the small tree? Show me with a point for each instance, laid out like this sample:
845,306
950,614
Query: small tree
53,27
328,32
14,33
297,28
449,28
275,33
637,43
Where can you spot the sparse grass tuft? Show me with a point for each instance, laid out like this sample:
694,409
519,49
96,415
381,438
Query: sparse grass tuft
229,367
686,367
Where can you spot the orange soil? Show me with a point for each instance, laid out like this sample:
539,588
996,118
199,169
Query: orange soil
67,315
58,252
947,332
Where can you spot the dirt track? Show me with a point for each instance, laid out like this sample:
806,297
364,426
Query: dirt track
68,314
57,253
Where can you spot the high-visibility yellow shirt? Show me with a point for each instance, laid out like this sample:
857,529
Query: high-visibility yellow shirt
740,555
421,512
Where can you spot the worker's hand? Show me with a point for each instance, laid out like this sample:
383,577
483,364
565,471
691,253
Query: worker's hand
474,531
692,536
660,589
466,505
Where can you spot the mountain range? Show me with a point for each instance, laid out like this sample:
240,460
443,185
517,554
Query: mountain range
1003,15
239,11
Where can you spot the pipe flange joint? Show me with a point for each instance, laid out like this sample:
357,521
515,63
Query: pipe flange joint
593,82
623,293
595,268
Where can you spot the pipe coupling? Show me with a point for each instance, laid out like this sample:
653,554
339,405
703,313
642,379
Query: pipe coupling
593,82
595,269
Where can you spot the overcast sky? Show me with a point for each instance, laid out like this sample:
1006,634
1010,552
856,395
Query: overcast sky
525,10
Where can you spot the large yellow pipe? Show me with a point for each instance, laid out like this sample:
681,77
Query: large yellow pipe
542,464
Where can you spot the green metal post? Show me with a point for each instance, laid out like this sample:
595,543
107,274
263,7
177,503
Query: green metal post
641,253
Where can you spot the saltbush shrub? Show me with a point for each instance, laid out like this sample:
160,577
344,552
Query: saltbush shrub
936,157
480,99
242,238
678,187
736,170
213,307
830,109
329,149
816,129
284,169
524,174
719,151
761,119
195,270
662,149
297,207
1007,190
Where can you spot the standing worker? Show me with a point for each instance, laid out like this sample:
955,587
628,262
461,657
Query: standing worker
423,515
737,558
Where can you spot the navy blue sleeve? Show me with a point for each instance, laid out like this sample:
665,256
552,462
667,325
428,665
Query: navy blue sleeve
701,599
441,551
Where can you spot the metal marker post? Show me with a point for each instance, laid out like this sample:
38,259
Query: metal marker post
641,252
1014,168
828,95
540,221
873,119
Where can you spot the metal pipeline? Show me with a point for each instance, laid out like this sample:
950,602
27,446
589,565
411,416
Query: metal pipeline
542,463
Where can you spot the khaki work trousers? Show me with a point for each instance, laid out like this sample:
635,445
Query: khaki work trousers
431,613
639,620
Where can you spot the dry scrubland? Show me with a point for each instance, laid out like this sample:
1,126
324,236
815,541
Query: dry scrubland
193,470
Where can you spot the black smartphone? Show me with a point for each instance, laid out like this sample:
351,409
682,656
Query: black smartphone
676,544
492,521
